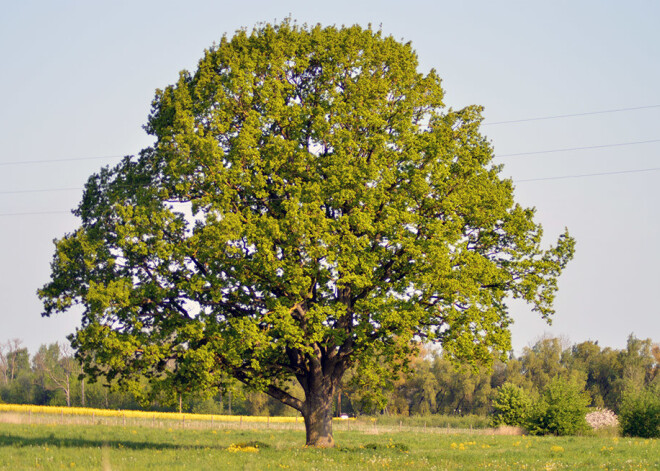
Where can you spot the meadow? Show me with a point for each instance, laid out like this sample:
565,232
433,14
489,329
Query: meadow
257,446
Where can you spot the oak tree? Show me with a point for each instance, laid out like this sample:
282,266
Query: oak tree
309,206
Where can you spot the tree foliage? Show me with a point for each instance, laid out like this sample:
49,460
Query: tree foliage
640,412
561,410
309,206
511,406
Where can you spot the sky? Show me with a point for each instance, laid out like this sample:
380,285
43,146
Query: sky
78,78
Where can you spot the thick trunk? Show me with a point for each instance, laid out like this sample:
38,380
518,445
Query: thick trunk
317,412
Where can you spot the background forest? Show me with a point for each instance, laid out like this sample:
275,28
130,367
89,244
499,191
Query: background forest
434,385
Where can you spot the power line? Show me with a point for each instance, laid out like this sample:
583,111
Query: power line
497,156
563,177
45,190
522,120
567,149
584,175
36,213
588,113
48,161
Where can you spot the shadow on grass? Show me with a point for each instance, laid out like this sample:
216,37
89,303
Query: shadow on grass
53,441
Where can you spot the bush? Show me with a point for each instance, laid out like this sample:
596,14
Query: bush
561,410
640,413
602,418
511,406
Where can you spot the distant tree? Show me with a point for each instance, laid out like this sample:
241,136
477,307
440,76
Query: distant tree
544,361
461,388
637,362
511,406
308,207
655,351
640,412
58,368
420,388
13,359
602,371
561,410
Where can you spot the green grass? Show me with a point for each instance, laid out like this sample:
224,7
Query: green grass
101,447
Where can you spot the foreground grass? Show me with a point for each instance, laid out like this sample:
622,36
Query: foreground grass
24,446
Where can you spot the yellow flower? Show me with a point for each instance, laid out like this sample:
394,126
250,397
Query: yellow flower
556,449
245,449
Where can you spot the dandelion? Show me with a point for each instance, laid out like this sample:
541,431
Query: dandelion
557,449
245,449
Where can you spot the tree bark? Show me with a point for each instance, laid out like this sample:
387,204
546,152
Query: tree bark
317,412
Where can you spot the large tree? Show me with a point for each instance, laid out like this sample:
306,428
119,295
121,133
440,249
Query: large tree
308,206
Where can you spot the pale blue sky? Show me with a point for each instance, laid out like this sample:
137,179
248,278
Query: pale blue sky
78,78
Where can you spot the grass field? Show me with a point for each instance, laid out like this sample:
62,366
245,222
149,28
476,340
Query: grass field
116,447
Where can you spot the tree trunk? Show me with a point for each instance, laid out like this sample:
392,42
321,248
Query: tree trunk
317,412
67,391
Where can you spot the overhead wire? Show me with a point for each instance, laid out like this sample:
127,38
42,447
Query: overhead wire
568,149
561,177
70,159
588,113
585,175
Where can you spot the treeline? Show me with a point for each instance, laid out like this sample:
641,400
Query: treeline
434,385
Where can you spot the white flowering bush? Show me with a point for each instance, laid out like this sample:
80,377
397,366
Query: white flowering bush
602,418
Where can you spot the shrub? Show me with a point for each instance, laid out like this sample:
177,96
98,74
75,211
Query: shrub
561,410
511,406
602,418
640,413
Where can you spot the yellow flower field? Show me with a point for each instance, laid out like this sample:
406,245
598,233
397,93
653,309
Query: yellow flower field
83,411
